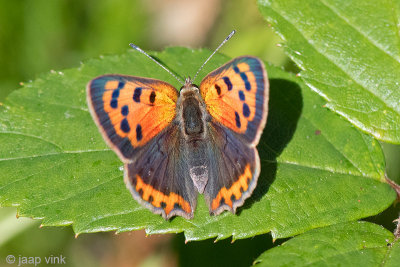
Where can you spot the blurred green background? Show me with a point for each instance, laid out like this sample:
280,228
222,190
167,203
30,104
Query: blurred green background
37,36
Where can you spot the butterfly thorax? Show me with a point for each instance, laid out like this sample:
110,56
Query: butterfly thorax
191,113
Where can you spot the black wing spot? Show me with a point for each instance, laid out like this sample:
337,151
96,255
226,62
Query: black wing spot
140,191
152,97
248,180
115,93
237,119
218,89
227,82
114,103
114,98
125,110
121,85
247,84
139,132
246,110
163,204
136,94
125,126
241,95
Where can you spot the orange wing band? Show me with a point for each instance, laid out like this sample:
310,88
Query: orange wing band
235,192
159,199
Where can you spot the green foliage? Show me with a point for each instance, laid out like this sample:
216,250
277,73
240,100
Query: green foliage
319,173
317,169
349,52
40,35
346,244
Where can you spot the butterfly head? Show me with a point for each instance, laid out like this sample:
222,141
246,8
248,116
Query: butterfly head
188,86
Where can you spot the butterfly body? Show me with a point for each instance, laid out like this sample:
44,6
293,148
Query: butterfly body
176,145
192,119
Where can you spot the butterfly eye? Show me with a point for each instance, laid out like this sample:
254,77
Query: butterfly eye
189,87
195,87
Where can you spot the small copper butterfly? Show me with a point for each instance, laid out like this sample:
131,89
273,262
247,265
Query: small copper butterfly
175,145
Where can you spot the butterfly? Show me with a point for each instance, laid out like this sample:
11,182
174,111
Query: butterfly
177,144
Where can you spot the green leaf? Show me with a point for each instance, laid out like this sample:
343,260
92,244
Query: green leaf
349,52
347,244
317,169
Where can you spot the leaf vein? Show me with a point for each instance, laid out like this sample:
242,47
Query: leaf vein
32,136
77,193
337,65
56,154
341,16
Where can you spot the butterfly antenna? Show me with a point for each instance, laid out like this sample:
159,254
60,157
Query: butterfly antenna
215,51
158,63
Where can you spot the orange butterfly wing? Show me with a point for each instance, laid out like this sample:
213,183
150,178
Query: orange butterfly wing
236,95
130,110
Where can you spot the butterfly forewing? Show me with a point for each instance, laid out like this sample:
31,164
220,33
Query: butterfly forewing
130,111
236,96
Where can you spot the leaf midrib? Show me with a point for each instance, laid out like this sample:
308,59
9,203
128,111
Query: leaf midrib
56,154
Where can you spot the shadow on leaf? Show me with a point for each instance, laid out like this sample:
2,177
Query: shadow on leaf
285,106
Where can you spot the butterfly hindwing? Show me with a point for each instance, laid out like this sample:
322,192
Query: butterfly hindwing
130,110
236,96
159,177
233,172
